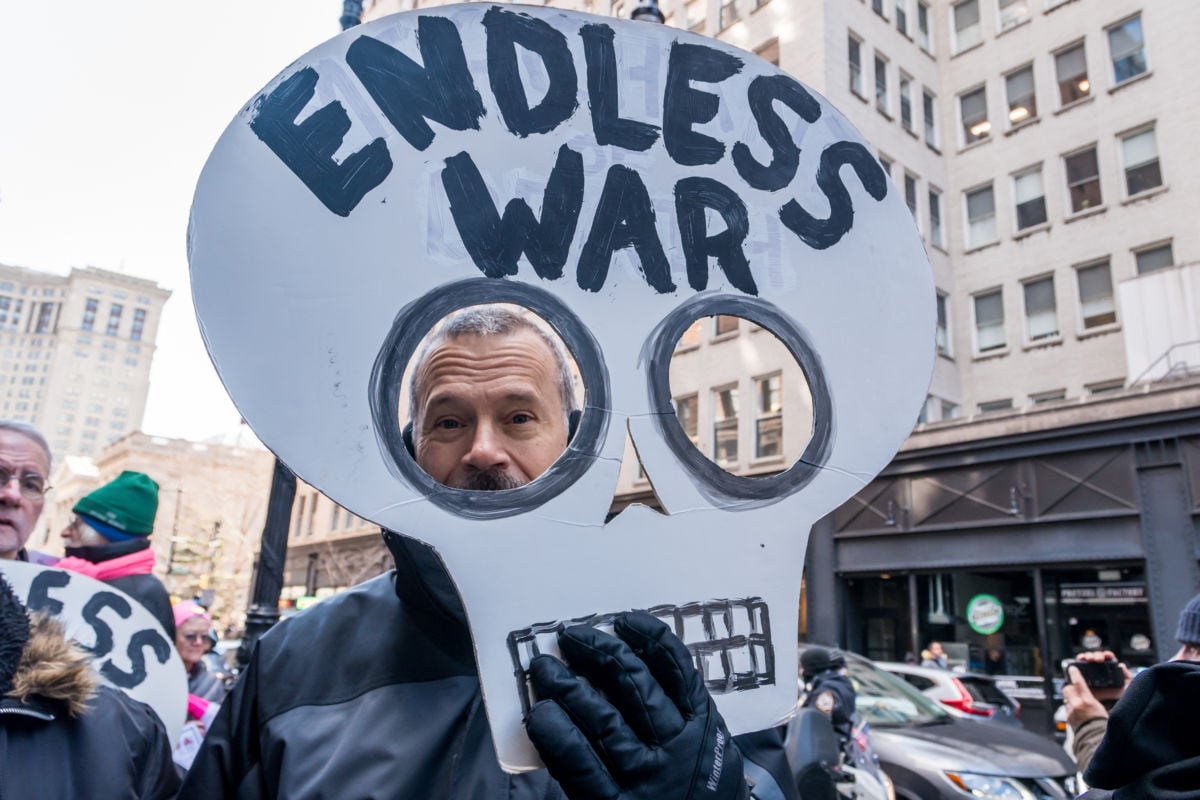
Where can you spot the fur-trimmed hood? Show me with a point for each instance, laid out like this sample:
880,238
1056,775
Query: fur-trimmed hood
38,664
53,668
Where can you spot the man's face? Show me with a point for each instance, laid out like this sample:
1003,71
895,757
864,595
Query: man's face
79,534
490,415
936,649
18,513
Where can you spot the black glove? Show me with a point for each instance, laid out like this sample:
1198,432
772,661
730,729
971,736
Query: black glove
654,733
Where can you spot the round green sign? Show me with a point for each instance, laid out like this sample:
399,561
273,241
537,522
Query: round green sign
985,614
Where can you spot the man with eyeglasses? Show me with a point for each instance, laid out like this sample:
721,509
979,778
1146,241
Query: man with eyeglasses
24,467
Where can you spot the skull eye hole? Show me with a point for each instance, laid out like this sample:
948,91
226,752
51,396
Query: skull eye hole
740,396
492,396
541,480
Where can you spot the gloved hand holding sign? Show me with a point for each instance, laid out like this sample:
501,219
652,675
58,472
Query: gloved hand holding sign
648,730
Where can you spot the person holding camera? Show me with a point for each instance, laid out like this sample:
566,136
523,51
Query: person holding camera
1146,745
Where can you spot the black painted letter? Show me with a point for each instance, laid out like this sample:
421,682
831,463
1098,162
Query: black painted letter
91,615
624,217
684,106
307,149
39,591
506,30
137,659
602,82
822,233
692,197
496,243
764,90
408,93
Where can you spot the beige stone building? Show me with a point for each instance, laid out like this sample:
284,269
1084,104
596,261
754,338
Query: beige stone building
212,500
75,353
1044,149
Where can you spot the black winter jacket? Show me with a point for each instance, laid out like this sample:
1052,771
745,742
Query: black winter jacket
374,694
62,736
146,589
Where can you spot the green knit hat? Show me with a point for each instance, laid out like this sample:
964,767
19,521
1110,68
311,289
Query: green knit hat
127,503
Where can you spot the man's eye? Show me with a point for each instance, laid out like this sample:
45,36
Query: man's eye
32,483
521,419
447,424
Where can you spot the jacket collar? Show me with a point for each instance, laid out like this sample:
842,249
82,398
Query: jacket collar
423,585
97,553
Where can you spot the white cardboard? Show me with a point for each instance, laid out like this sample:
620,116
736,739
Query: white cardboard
129,648
296,302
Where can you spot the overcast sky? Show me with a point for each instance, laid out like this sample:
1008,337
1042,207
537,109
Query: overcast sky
109,110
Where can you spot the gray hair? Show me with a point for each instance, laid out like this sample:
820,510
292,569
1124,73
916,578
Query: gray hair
492,321
31,433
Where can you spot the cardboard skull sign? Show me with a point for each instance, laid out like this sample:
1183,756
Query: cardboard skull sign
620,180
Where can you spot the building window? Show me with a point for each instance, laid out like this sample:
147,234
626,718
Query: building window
1013,13
690,337
1127,49
910,193
942,334
139,323
989,322
1083,179
768,423
1105,387
45,318
855,59
935,218
1096,306
981,217
1041,313
769,52
1030,197
1070,66
1139,152
686,409
923,37
928,103
881,87
967,32
949,410
725,324
1022,101
1152,259
886,163
114,320
725,425
902,16
995,406
877,6
729,13
1052,396
973,109
89,314
906,115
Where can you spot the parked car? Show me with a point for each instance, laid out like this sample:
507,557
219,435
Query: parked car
930,753
974,695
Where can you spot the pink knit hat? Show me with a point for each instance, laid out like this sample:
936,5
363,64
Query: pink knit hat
186,609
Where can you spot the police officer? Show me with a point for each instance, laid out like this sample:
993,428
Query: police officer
829,689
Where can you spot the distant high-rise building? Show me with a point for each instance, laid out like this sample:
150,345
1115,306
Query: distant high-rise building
75,353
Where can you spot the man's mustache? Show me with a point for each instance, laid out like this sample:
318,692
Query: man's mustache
489,480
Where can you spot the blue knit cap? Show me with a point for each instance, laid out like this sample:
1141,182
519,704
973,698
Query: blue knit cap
1189,623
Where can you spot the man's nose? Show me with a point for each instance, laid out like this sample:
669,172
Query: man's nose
10,491
487,448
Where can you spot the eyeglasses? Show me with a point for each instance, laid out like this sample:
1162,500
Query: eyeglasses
31,485
195,637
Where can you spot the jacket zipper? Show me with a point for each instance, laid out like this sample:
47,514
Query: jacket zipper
28,712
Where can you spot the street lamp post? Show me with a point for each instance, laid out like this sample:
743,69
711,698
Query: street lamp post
272,555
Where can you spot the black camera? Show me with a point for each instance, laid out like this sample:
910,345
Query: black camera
1098,674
